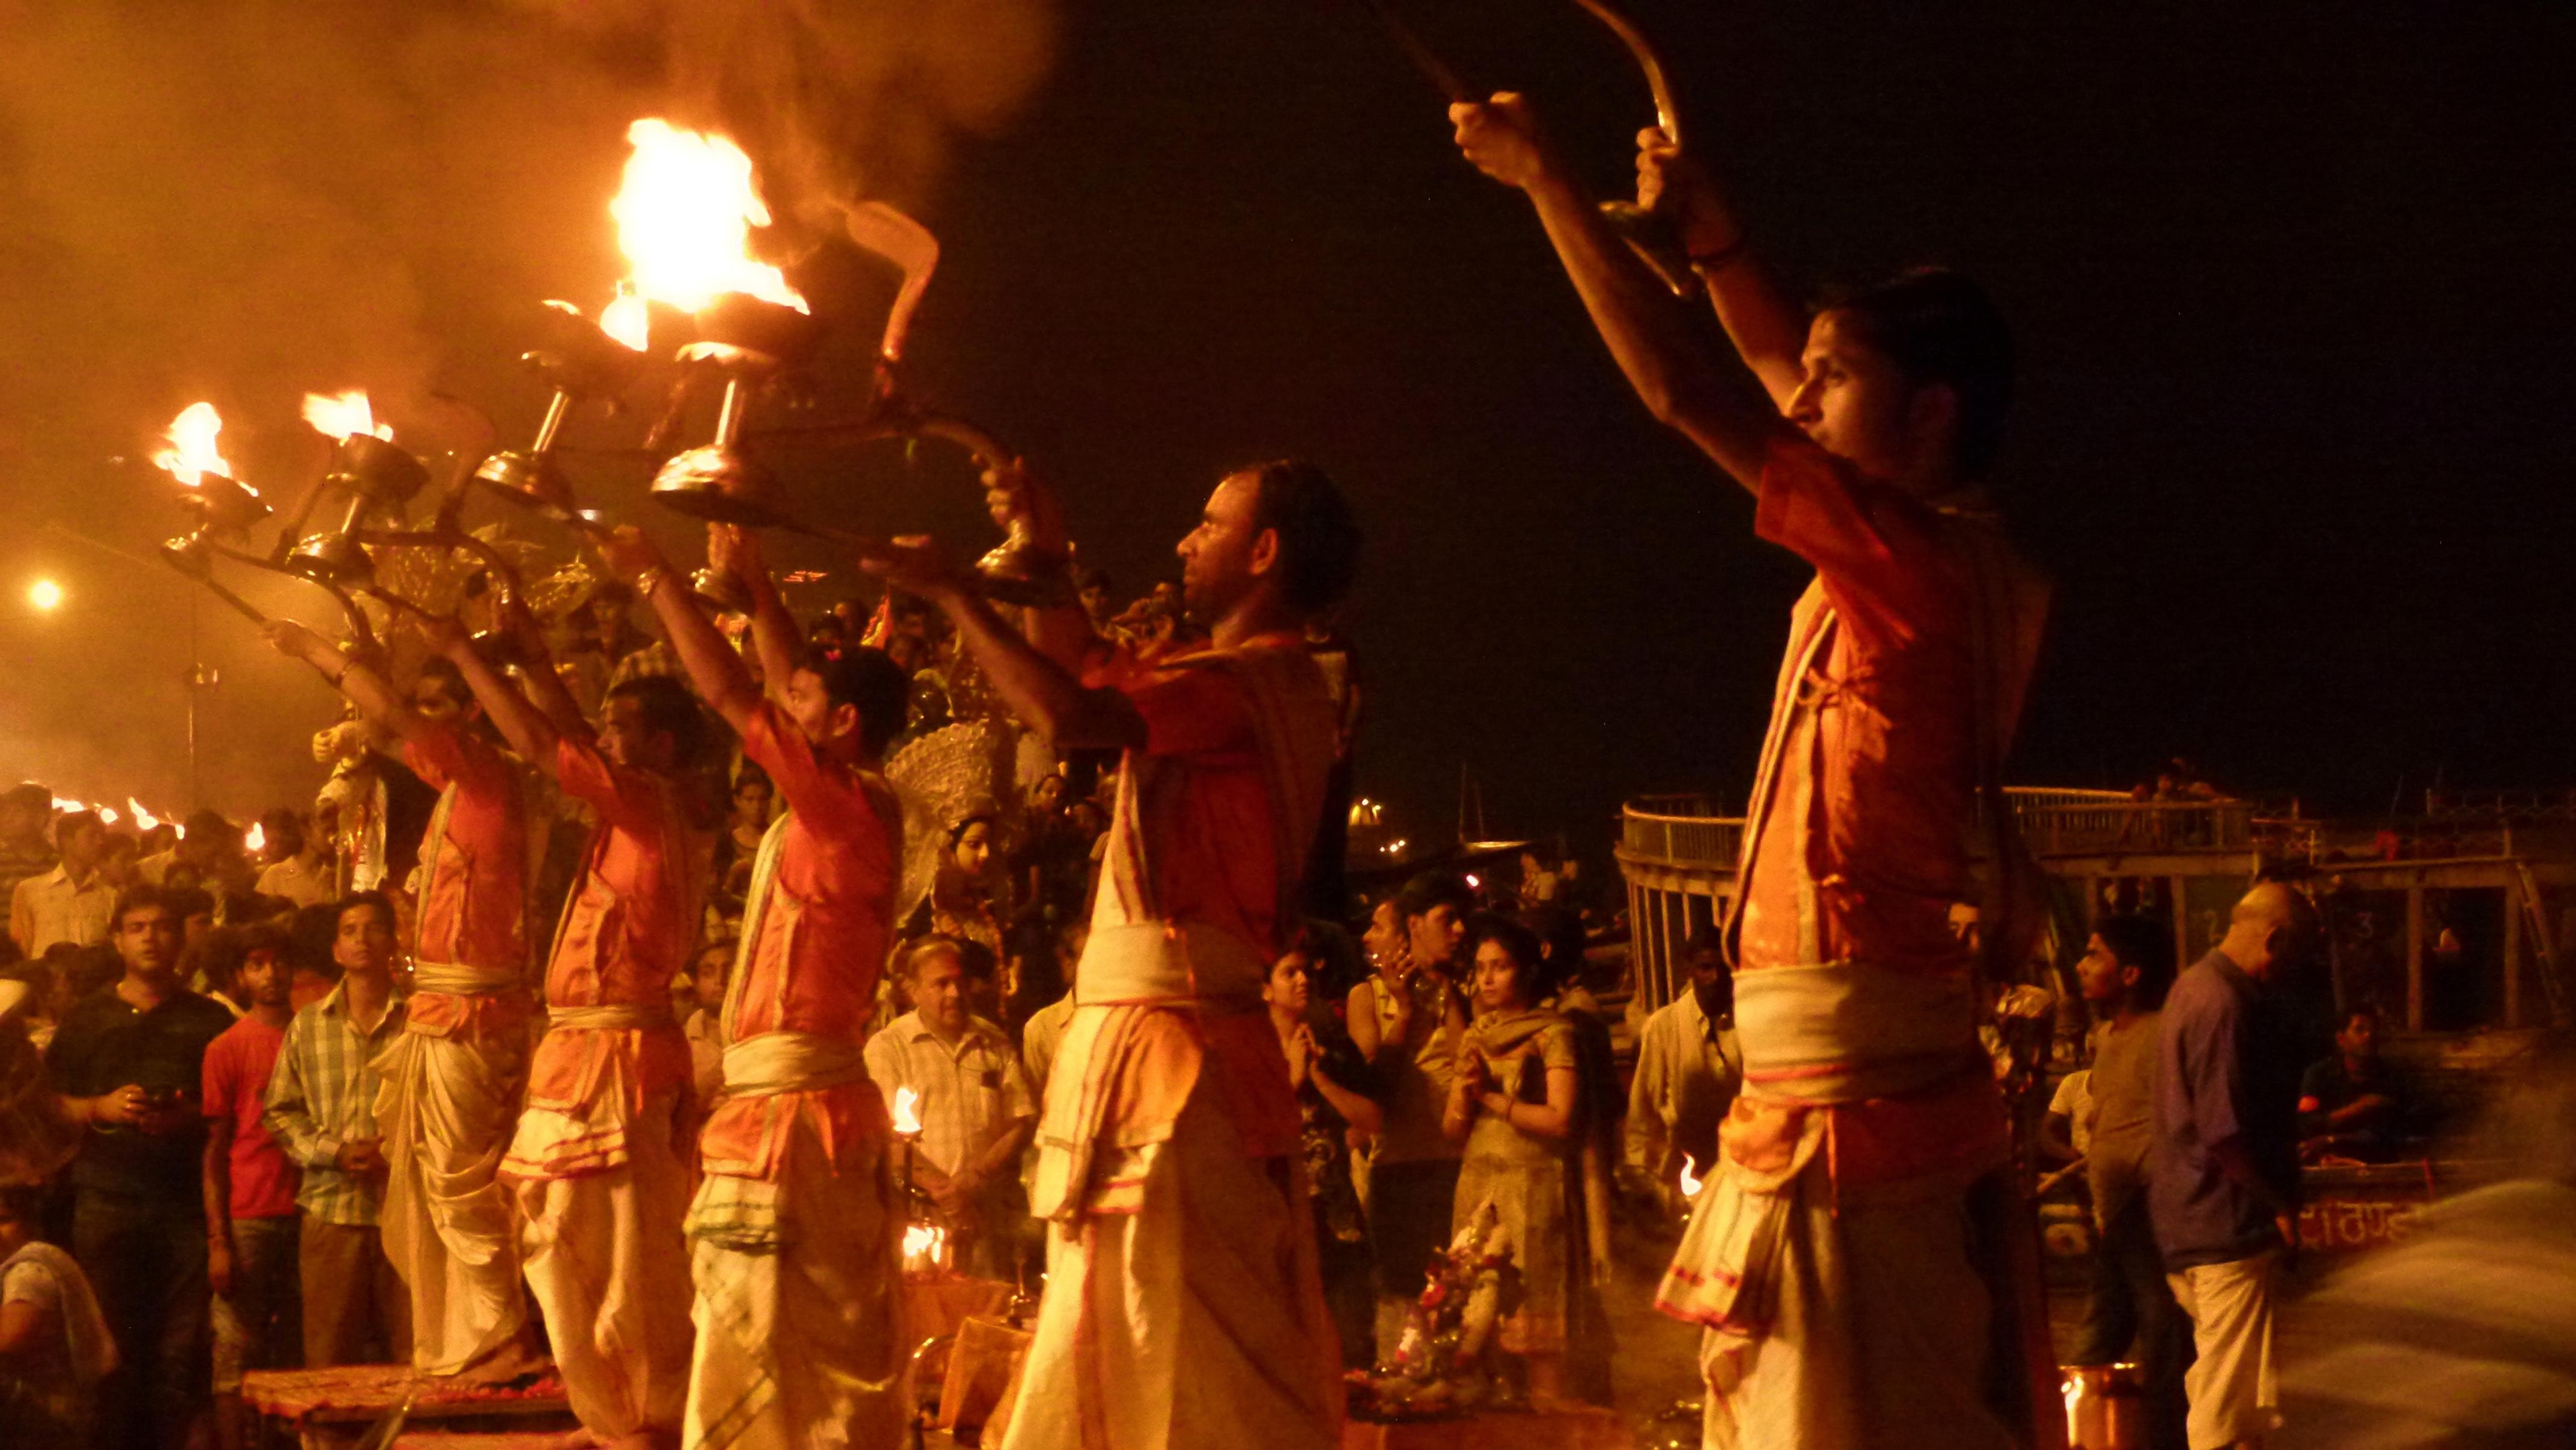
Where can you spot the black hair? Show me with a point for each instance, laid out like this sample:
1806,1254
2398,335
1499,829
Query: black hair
24,1205
188,901
221,955
867,680
668,709
451,680
202,824
984,815
1092,579
1708,936
145,898
1319,541
375,901
1430,889
1560,937
308,939
1529,958
2344,1018
71,821
1939,327
2145,944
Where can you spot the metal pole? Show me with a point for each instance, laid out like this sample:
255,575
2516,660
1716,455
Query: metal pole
196,670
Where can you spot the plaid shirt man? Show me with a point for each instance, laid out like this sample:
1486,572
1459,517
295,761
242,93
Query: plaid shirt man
971,1092
323,1093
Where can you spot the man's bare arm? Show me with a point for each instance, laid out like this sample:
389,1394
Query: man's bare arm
712,666
1042,693
1769,332
1680,383
352,676
520,722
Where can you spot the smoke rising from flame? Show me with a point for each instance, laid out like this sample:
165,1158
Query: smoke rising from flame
247,202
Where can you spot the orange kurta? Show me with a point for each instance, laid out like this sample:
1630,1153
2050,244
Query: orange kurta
1860,819
625,935
473,907
813,961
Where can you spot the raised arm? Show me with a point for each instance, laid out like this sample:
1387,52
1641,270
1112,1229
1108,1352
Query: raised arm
774,636
1648,334
1044,694
1014,495
353,676
528,729
714,669
1769,332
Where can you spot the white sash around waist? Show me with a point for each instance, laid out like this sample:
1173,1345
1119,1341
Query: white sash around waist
1156,963
456,979
1845,1031
612,1017
791,1062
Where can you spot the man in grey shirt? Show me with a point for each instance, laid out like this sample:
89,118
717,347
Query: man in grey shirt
2223,1181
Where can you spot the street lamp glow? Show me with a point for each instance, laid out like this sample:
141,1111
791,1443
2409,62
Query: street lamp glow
45,594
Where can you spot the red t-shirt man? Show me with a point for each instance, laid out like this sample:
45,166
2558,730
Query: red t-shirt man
235,1086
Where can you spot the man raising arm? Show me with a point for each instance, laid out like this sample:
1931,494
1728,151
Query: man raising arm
1168,1141
796,1229
456,1071
1866,1323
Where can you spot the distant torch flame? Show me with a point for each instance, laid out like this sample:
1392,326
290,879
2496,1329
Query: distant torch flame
143,819
684,219
107,814
257,840
1690,1181
922,1241
905,1119
344,417
68,806
191,454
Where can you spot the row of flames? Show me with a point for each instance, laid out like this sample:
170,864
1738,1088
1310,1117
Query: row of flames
685,210
255,839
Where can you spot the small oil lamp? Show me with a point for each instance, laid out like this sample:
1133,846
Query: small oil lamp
374,477
747,342
580,361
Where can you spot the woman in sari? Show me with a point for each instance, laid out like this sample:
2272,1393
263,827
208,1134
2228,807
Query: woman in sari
1515,1103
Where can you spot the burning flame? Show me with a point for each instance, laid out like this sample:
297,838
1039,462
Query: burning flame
257,840
923,1241
344,417
627,319
191,454
905,1119
1690,1181
143,819
684,217
68,806
107,814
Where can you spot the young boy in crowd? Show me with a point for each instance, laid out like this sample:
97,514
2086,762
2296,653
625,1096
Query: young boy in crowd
250,1184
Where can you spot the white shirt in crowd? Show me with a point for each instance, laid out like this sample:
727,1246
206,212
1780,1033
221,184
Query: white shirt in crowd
972,1091
50,908
306,883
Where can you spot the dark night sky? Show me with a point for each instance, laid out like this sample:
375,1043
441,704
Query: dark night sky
2291,285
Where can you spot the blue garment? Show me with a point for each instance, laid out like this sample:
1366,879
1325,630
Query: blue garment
2227,1066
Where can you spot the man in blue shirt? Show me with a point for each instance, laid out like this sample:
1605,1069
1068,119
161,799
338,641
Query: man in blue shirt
2223,1187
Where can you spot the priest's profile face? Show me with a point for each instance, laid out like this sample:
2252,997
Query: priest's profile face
1217,559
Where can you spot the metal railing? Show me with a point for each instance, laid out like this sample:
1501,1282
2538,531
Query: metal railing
1683,831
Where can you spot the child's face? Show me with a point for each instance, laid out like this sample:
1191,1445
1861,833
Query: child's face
709,978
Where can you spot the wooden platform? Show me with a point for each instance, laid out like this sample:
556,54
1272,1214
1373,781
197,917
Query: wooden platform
1560,1427
323,1408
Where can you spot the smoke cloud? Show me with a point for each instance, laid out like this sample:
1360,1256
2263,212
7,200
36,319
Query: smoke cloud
248,201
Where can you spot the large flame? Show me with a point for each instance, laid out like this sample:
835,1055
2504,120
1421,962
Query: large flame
922,1241
191,454
684,217
257,840
1690,1181
344,417
142,818
905,1119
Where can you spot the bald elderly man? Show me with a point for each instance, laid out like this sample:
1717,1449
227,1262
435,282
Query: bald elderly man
2223,1191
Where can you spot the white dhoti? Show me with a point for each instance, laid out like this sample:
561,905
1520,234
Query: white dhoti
799,1280
602,1243
448,1106
1838,1299
1192,1322
1183,1308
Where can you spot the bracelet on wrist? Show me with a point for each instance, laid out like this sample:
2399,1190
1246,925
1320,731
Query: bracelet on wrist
1718,259
651,579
